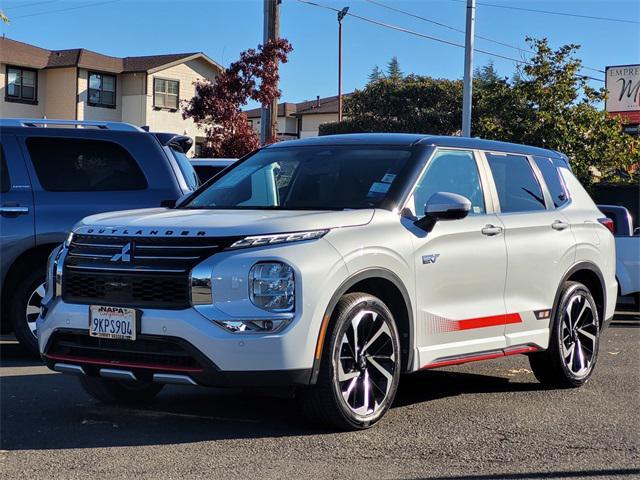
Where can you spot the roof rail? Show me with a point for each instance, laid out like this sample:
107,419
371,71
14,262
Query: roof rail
46,122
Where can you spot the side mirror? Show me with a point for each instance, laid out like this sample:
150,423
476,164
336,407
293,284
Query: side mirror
443,206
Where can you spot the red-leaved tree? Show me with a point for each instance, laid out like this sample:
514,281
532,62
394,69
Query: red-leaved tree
216,108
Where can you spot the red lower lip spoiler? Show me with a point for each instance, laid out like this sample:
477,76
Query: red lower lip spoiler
116,363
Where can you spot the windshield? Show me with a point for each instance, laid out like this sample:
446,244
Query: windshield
307,178
188,172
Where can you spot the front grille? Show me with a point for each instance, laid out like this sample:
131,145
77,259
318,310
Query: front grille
141,290
144,352
148,272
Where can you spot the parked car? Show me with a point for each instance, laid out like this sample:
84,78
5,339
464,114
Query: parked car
207,168
627,251
333,264
55,172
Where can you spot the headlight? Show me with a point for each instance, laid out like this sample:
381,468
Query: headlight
261,240
272,286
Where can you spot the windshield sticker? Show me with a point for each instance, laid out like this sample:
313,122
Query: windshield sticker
378,189
389,178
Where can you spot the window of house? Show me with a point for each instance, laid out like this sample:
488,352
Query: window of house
102,90
81,165
21,85
453,171
518,188
552,178
165,93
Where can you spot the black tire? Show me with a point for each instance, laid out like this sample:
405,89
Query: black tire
324,402
555,367
30,279
107,390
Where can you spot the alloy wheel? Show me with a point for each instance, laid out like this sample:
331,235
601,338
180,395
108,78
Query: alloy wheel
366,363
33,308
579,335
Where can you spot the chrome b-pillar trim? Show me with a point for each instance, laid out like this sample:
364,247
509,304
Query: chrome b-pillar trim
200,285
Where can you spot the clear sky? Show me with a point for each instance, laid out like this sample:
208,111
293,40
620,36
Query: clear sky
223,28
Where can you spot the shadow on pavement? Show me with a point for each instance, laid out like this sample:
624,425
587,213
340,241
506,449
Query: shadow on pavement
609,473
51,411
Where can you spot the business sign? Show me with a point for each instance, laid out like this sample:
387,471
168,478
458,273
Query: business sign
623,87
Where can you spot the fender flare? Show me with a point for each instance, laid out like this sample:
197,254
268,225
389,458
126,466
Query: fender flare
585,265
373,272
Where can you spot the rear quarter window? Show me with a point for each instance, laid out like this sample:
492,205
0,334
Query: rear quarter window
84,165
552,178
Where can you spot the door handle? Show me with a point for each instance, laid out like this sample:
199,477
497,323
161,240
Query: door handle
491,230
559,225
13,211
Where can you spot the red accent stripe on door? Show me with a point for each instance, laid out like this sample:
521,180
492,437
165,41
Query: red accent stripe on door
493,321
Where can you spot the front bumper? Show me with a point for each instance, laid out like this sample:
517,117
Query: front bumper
219,358
154,358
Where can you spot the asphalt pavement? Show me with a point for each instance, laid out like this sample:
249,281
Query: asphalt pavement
486,420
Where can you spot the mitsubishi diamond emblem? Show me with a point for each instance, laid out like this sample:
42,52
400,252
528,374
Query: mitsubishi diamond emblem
124,255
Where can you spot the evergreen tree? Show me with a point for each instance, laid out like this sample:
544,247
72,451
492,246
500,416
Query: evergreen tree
376,74
393,69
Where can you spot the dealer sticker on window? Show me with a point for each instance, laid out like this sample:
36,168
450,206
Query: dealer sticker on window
112,322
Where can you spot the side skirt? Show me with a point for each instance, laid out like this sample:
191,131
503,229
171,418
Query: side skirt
475,357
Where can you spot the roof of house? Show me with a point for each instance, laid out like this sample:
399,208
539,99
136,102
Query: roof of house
308,107
22,54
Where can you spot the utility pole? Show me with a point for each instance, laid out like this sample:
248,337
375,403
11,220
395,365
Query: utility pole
467,92
269,115
341,14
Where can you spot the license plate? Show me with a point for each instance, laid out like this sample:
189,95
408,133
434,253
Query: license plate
112,322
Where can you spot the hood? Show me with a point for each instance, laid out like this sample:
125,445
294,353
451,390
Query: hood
183,222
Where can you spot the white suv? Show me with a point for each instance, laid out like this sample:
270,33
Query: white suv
334,264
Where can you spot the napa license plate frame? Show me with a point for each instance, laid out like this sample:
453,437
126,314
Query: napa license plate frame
120,323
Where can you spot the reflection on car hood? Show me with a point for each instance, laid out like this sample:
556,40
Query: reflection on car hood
183,222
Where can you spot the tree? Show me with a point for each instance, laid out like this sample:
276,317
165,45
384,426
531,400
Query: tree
393,69
216,107
548,103
3,17
376,74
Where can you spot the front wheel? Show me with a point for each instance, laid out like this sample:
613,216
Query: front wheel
360,365
107,390
24,307
575,335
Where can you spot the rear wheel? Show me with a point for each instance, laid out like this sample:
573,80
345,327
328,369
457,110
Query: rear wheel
575,335
107,390
360,365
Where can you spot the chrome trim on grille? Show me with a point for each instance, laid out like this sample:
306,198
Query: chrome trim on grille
200,285
59,269
127,270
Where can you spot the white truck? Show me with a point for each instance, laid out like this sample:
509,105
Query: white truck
627,253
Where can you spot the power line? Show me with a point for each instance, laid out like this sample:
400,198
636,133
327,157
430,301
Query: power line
64,9
497,42
548,12
23,5
429,37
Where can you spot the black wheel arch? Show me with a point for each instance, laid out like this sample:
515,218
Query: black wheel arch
372,280
590,275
